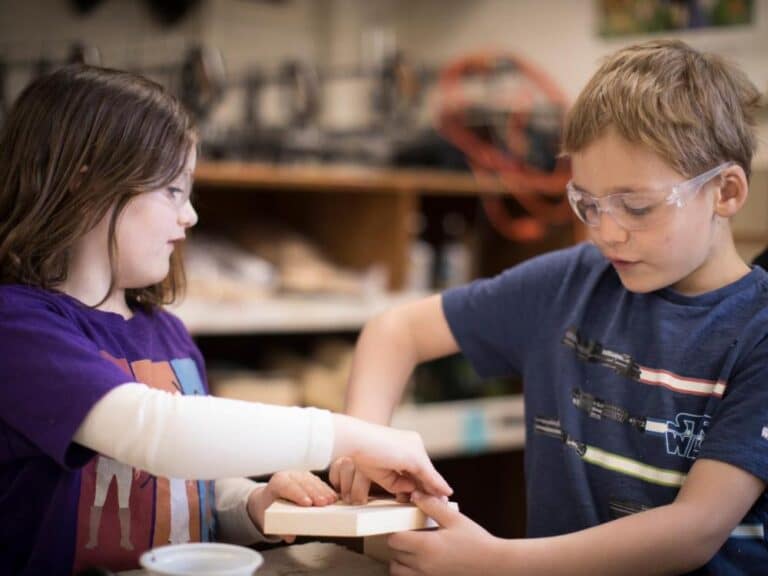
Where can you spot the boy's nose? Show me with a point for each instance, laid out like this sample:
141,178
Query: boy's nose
610,231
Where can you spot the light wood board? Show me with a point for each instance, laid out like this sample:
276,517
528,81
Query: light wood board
378,516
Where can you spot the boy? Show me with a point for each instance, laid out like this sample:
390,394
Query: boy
644,353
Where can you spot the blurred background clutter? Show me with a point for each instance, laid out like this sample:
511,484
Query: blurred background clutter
356,154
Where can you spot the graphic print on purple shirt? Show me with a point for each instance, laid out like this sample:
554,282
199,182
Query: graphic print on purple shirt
123,511
53,370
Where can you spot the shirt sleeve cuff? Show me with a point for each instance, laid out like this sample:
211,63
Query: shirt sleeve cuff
321,440
234,524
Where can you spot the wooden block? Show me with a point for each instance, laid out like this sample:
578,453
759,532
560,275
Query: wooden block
378,516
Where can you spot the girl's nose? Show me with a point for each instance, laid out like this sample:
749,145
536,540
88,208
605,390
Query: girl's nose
188,215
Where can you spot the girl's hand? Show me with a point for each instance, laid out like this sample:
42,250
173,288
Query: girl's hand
351,484
458,547
302,488
394,459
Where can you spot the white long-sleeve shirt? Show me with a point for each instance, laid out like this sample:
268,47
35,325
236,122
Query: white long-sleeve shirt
208,438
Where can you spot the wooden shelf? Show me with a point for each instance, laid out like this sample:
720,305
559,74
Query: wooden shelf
339,178
285,315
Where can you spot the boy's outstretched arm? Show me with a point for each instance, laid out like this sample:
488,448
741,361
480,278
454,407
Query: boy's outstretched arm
388,349
671,539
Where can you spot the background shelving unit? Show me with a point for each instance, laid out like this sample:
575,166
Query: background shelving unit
287,314
362,217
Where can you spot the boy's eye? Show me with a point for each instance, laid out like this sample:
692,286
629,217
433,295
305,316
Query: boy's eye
586,202
638,205
174,190
639,211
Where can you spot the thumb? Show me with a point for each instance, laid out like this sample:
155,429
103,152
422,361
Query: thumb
436,508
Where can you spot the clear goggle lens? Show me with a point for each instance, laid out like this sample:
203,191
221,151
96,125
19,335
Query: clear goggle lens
638,210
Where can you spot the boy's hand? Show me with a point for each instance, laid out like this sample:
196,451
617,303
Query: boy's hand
459,547
302,488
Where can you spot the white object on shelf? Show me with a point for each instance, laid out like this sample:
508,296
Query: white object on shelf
378,516
466,426
286,314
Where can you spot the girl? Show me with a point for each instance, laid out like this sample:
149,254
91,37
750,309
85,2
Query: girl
104,417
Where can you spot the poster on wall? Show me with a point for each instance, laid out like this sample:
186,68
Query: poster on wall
631,17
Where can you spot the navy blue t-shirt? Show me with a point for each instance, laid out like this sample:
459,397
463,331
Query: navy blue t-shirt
623,391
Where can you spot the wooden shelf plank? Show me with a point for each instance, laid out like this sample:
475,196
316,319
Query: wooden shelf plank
284,315
339,178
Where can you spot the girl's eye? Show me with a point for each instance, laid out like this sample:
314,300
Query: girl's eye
177,194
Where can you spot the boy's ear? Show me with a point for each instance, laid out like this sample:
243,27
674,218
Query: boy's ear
733,191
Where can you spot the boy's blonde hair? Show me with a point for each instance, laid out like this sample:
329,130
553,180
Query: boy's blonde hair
691,108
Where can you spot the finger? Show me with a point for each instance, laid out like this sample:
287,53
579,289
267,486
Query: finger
318,490
333,473
360,488
402,484
288,538
394,482
346,474
295,492
437,509
404,542
402,497
397,568
309,486
431,480
326,491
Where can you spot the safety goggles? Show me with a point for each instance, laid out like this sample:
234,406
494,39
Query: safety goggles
637,210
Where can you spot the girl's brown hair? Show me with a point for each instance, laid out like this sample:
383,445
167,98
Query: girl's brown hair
77,143
691,108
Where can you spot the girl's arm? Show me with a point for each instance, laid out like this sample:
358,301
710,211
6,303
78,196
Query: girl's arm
203,437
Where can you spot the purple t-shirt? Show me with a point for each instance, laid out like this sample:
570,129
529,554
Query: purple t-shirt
62,506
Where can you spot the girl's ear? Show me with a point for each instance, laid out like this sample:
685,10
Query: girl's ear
78,180
733,191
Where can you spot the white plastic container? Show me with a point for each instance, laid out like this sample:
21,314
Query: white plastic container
201,559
